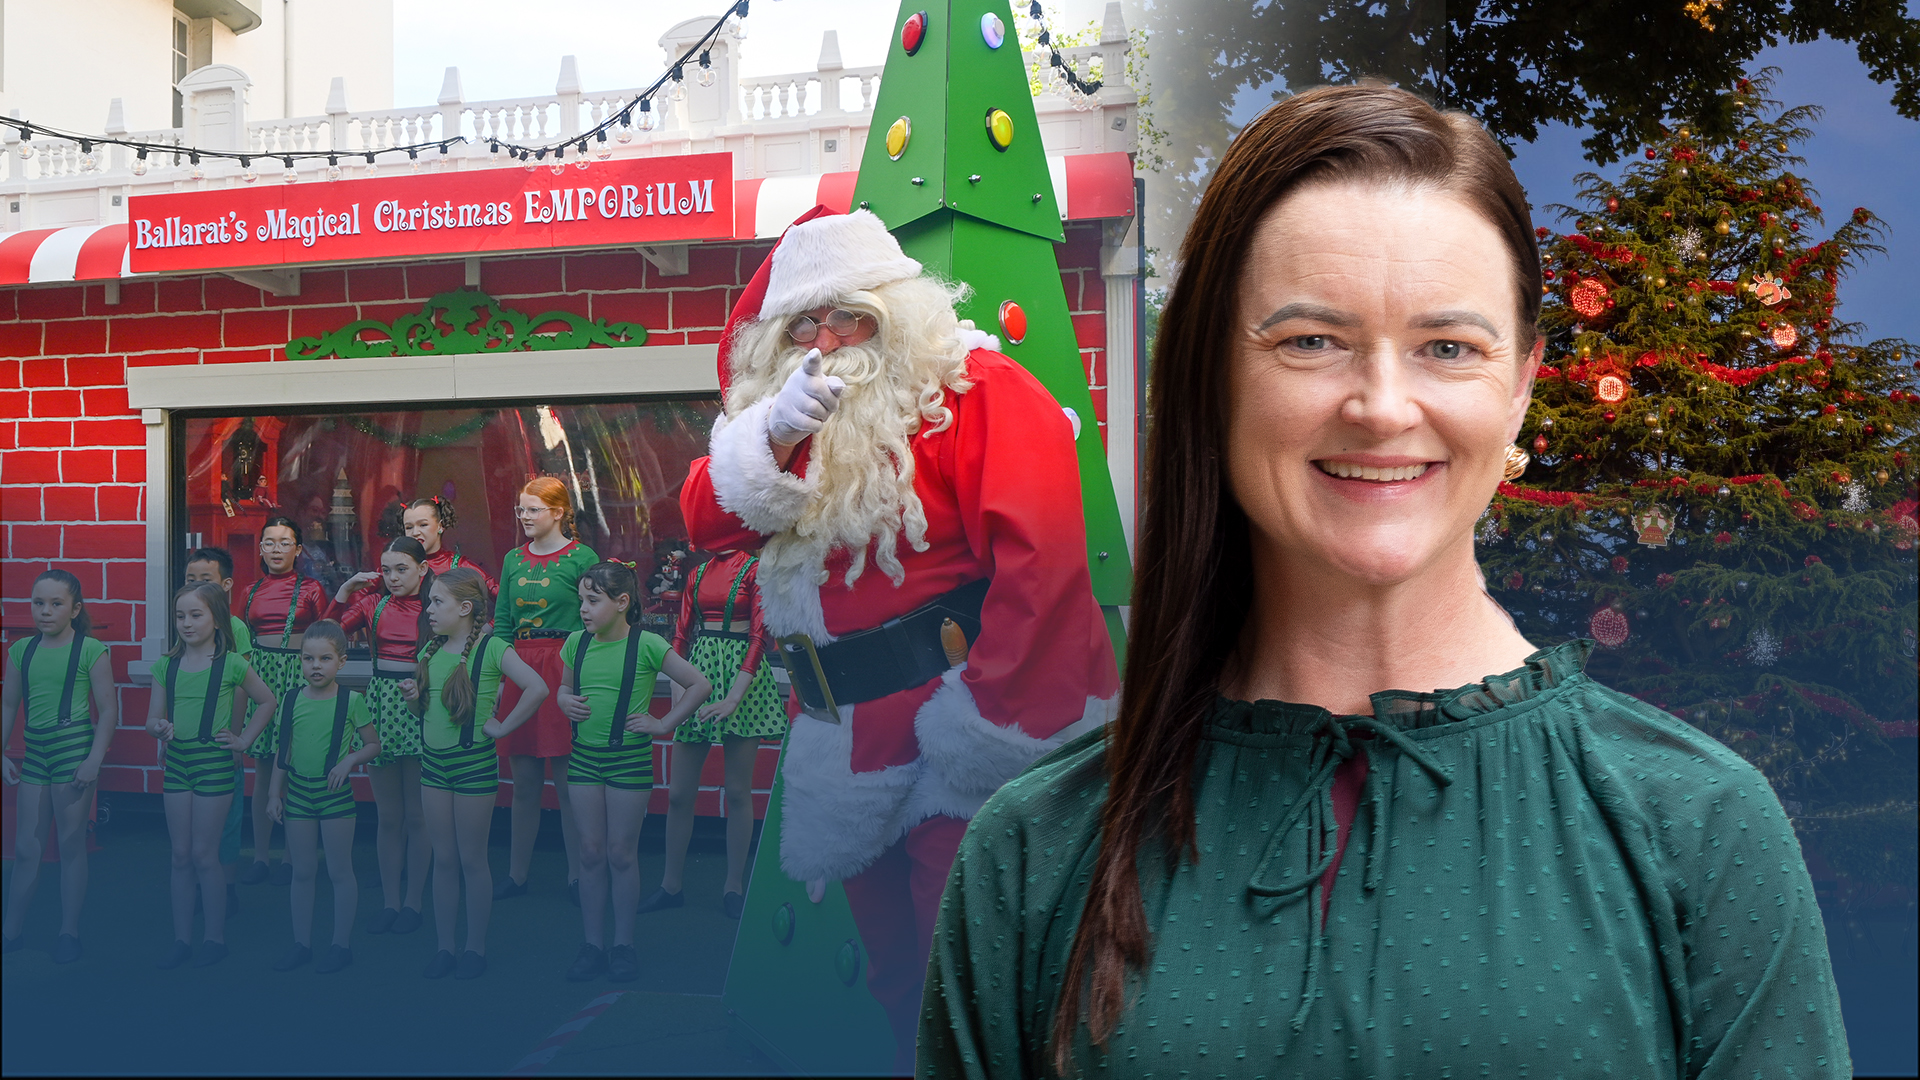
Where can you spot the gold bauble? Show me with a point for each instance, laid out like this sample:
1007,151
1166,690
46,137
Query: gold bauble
1652,420
1880,477
1722,228
1660,281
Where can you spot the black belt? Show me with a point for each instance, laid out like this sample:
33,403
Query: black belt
897,655
522,635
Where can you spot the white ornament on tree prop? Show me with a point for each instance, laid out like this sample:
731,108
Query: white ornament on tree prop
1687,244
1489,528
1855,501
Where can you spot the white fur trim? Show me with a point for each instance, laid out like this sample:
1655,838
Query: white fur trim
833,821
749,483
790,578
972,338
830,258
973,755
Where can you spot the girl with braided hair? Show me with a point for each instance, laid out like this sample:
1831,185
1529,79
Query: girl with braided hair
395,622
609,672
461,673
426,519
538,606
191,712
279,606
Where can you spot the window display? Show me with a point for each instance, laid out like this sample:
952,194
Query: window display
347,478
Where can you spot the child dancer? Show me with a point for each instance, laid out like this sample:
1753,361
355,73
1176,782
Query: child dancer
279,606
56,674
459,679
191,712
609,670
395,623
215,565
721,631
537,608
426,519
318,727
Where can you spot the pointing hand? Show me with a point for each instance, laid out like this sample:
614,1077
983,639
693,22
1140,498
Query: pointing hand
804,403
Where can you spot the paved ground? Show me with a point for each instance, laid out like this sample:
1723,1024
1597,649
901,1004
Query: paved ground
114,1012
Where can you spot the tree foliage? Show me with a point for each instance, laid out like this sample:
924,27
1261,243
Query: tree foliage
1723,487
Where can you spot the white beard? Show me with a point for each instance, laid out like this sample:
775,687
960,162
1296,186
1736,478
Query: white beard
862,460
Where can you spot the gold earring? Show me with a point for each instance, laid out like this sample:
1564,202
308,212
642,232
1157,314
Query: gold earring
1517,460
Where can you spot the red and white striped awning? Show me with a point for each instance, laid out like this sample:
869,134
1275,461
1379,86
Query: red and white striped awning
1087,186
81,253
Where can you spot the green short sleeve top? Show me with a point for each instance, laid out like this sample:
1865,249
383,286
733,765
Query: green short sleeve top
46,679
313,720
1544,877
599,677
242,637
189,697
438,729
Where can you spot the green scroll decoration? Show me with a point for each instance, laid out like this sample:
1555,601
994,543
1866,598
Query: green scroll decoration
466,321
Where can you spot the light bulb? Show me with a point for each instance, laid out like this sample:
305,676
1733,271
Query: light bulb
528,163
86,162
333,172
196,172
493,151
26,150
704,77
290,175
372,168
556,166
623,133
603,150
247,175
439,163
140,165
413,163
582,162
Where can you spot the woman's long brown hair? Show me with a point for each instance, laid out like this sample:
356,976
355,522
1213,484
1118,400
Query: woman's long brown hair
1193,562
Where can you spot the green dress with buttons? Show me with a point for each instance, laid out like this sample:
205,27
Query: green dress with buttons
1543,878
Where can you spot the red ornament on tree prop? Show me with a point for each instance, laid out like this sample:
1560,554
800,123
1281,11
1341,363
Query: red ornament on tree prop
1013,322
1539,445
913,32
1589,298
1608,627
1610,389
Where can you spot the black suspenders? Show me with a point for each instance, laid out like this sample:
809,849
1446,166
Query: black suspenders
473,680
342,698
213,693
65,714
617,732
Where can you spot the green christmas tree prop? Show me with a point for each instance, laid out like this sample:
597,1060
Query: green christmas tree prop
967,192
1722,492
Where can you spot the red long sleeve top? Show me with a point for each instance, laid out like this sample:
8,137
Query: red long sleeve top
265,608
446,559
711,603
395,638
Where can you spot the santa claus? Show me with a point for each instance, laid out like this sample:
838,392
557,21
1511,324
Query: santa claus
898,474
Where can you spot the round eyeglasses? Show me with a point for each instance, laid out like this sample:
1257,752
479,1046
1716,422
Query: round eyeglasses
841,321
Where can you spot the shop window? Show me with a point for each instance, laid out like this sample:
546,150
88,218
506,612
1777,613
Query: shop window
344,477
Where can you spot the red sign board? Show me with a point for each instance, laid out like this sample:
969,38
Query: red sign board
633,201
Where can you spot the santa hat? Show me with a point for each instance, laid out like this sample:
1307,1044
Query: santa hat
822,258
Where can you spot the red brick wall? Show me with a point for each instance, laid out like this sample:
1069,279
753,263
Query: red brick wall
73,456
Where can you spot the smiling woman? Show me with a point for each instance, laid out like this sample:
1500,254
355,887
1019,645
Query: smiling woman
1276,856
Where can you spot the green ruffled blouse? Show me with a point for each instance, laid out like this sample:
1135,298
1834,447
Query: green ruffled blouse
1545,878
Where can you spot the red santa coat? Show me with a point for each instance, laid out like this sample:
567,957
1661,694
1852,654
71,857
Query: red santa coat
1001,489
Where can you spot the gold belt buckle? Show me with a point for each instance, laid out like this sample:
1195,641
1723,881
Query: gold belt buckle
805,643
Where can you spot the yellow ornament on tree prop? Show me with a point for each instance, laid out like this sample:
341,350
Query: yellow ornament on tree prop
999,129
898,136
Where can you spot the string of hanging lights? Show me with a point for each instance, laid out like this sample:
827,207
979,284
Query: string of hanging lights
619,123
1088,87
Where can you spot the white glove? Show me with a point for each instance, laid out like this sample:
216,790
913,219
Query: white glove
804,403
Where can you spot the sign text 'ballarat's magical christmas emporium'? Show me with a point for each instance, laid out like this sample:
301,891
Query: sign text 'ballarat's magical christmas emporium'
640,200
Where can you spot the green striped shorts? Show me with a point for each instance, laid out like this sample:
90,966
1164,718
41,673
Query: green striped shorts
198,768
280,670
308,797
623,768
53,753
472,771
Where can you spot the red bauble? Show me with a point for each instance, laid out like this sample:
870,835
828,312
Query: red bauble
1652,153
1589,298
1607,416
913,32
1013,322
1540,442
1609,628
1613,205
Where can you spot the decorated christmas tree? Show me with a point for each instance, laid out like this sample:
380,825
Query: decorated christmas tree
1722,489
